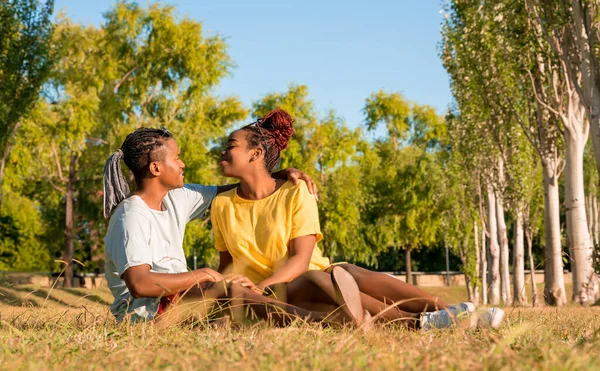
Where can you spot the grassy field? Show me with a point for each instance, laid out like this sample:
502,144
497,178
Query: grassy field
72,329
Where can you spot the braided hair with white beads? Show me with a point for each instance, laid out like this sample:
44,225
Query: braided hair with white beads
138,151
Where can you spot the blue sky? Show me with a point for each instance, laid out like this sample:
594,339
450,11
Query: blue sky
342,50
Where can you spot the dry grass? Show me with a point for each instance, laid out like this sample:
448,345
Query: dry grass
42,329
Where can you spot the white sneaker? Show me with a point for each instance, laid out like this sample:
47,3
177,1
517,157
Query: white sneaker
438,319
487,317
462,309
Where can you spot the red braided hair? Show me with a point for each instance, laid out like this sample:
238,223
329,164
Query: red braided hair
272,132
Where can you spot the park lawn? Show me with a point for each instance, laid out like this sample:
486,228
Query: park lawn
73,331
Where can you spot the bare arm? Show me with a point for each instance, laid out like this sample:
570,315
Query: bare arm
301,250
141,282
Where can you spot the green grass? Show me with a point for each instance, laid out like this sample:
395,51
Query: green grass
72,329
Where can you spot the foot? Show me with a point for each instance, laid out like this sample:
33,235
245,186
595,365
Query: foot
487,318
438,319
462,309
347,295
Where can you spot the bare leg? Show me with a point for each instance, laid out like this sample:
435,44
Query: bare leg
198,303
388,289
314,289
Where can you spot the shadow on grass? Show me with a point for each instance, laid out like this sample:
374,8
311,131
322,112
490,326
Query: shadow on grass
90,297
9,298
43,295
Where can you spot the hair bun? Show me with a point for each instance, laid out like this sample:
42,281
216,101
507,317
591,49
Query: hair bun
279,125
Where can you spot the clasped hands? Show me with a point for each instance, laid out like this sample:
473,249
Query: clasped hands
235,278
244,281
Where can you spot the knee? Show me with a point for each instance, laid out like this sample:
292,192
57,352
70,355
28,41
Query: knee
311,275
318,278
351,268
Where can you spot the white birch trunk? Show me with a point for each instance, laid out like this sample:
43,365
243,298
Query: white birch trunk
573,42
504,256
469,285
520,297
554,283
484,267
591,210
546,128
585,282
534,292
588,213
483,251
594,217
477,263
587,70
494,295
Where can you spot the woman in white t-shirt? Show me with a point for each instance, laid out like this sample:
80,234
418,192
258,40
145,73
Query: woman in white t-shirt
144,260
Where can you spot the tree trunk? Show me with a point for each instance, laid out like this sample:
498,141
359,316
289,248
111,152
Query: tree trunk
595,217
504,256
591,210
494,296
69,222
534,293
520,296
585,281
582,44
483,273
409,278
475,299
591,206
547,132
554,284
483,251
96,253
588,212
583,98
469,285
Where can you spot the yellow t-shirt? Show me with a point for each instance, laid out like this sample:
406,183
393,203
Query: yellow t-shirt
257,233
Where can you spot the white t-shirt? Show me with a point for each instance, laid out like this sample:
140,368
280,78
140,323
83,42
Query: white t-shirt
139,235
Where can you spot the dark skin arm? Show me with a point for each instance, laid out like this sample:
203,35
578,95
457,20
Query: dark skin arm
142,283
291,174
300,252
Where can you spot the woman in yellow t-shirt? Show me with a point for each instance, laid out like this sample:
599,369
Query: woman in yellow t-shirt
267,232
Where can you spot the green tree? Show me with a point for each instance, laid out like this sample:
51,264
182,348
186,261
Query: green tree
332,148
460,219
390,109
111,80
514,89
406,209
25,57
